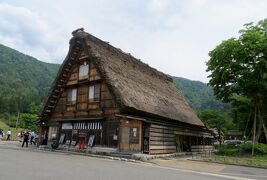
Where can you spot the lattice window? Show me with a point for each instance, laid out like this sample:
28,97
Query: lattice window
83,71
94,92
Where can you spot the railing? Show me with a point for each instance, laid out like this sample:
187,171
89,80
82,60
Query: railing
202,154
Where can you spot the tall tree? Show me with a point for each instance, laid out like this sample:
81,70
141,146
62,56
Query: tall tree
214,119
238,66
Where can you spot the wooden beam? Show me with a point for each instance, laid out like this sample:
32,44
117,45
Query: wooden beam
83,57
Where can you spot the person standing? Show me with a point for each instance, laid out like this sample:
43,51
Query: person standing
26,139
8,133
44,138
21,136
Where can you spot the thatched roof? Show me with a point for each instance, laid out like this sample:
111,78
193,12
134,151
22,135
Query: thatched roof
134,84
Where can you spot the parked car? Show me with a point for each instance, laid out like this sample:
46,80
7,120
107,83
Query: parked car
215,142
234,142
248,142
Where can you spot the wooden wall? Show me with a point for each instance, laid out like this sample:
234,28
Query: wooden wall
161,140
127,140
83,107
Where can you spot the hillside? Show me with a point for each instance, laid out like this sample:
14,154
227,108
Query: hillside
199,95
23,80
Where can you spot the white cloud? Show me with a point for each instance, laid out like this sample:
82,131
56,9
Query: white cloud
172,36
26,31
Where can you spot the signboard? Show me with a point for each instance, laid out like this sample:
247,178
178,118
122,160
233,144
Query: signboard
67,126
73,143
81,134
62,137
91,140
67,142
134,132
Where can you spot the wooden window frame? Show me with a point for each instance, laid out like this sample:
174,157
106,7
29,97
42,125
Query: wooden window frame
71,102
86,76
94,99
134,139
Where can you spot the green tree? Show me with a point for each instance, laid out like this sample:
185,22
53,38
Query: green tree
238,66
28,121
214,119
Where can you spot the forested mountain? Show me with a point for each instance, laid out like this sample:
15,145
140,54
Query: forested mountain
23,80
199,95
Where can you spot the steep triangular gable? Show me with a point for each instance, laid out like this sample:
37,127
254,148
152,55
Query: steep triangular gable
57,107
132,83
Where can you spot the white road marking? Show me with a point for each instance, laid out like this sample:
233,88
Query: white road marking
245,175
198,172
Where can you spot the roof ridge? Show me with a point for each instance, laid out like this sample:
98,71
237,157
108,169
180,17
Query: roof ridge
80,33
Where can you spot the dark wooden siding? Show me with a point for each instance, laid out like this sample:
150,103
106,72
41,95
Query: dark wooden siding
161,139
83,107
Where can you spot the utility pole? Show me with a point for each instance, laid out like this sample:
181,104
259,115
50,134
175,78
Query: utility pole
254,131
17,120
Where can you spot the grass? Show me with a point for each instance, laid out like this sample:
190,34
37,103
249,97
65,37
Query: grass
240,155
257,161
14,131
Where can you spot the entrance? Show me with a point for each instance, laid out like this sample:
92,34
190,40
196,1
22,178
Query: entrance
145,142
43,138
183,143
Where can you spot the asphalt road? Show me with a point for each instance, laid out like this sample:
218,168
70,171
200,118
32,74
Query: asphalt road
31,165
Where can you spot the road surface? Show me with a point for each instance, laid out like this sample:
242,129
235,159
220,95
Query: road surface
34,165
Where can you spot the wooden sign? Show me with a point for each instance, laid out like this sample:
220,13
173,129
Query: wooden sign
62,137
67,142
91,140
73,143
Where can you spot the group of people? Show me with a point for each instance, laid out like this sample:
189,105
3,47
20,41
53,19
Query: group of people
8,133
28,136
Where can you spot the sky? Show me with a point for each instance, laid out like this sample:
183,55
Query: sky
173,36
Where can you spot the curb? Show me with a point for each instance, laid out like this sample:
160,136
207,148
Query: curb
72,152
135,158
91,155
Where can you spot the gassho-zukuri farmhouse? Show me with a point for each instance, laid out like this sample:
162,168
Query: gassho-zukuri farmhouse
106,98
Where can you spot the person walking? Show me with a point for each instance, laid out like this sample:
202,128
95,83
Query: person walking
1,134
8,133
26,139
33,137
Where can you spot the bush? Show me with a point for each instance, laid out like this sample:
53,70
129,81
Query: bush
244,149
259,149
227,151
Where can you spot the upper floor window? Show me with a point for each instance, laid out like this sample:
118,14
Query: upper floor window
94,92
83,70
72,95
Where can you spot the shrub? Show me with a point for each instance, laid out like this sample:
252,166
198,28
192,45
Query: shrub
227,151
260,149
